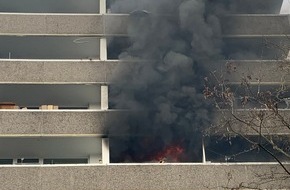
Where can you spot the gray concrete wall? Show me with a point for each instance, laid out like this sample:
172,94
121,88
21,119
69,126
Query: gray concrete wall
256,25
62,24
116,24
263,71
145,177
36,71
55,122
224,122
50,24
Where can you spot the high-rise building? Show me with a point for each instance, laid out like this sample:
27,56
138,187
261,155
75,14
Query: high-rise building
55,72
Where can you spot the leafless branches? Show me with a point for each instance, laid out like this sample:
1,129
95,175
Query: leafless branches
248,108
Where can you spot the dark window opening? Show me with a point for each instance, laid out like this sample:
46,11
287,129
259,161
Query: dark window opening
6,161
27,161
116,46
66,161
237,149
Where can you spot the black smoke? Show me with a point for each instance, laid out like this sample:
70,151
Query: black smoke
170,42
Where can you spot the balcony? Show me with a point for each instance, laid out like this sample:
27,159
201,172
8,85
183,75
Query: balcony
43,24
53,122
57,71
273,124
140,176
51,24
59,122
55,109
267,25
262,72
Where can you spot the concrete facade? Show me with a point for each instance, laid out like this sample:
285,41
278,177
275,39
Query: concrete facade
62,71
257,24
62,24
58,122
71,48
272,125
116,24
149,176
95,71
264,72
52,122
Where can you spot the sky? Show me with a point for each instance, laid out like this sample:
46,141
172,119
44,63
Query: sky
286,7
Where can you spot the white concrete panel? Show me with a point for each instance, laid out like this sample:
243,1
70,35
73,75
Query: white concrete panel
103,49
105,151
102,6
285,7
104,97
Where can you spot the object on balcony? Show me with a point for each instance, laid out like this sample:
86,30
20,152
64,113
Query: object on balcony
48,107
8,105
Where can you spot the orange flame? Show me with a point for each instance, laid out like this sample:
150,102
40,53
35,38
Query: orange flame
171,153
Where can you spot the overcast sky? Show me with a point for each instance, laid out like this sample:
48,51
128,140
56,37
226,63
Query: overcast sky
286,7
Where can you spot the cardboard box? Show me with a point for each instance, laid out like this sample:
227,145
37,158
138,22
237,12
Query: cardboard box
48,107
8,105
43,107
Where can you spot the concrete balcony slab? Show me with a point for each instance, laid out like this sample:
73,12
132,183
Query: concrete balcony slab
27,123
263,72
42,24
32,23
255,24
57,71
273,124
143,176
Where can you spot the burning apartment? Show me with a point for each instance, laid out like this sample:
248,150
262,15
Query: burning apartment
111,95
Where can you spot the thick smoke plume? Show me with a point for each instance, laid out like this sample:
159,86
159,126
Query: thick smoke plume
170,41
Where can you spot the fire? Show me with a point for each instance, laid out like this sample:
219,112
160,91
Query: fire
172,153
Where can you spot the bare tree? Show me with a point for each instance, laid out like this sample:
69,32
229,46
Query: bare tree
253,103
